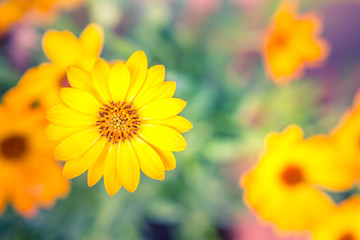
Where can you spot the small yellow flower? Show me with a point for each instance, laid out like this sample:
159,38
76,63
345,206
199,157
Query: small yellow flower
281,187
117,120
29,177
63,49
344,224
291,43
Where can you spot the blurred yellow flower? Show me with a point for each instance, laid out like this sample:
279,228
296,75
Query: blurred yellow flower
29,177
117,120
344,224
347,137
35,11
291,43
281,186
42,84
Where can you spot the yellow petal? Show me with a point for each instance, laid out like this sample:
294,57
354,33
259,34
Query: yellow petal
163,137
80,100
137,64
160,91
155,76
150,162
128,167
62,48
111,177
119,81
75,145
163,108
167,158
65,116
57,133
96,171
178,123
79,78
76,167
92,39
100,75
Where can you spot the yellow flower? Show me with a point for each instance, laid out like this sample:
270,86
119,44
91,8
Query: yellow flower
344,224
117,120
291,43
347,137
63,49
29,177
281,186
33,11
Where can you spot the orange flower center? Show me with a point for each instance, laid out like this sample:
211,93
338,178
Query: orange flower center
292,175
279,40
347,236
14,147
118,121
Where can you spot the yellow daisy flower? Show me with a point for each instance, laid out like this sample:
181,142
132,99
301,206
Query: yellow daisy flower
291,43
281,186
29,177
63,49
344,224
117,120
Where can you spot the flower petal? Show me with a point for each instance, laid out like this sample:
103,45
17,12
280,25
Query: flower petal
178,123
137,64
76,167
167,158
80,100
62,48
163,108
111,177
155,76
119,81
92,39
100,75
57,133
75,145
79,78
65,116
150,162
128,167
96,171
163,137
160,91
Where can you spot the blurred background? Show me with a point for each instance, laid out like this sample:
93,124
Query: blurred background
212,49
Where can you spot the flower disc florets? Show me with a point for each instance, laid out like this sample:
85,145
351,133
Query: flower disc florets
118,121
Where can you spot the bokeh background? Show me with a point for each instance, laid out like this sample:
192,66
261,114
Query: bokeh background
212,49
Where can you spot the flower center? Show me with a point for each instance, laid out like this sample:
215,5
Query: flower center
14,147
292,175
347,236
118,121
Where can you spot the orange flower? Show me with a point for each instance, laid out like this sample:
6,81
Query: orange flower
284,185
42,84
291,43
29,177
35,11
